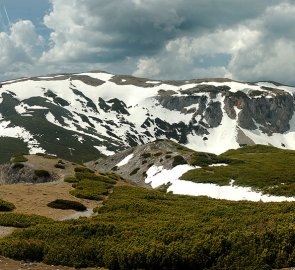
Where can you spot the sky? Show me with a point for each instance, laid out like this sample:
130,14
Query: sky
157,39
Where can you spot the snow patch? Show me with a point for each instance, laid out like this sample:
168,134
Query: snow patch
152,82
157,176
125,160
103,149
218,165
18,132
100,75
79,138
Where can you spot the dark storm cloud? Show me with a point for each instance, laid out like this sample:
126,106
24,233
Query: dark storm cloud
173,39
144,27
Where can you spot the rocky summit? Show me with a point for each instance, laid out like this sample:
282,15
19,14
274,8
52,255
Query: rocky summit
87,115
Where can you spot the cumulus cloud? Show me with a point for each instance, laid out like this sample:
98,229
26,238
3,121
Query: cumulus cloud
18,47
173,39
261,48
108,31
204,56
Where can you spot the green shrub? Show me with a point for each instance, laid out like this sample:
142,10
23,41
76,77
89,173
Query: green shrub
46,156
42,173
17,166
59,166
134,171
178,160
92,176
164,187
146,155
19,158
264,168
6,206
147,229
70,179
112,175
32,250
83,170
158,154
67,204
115,168
21,220
90,189
203,159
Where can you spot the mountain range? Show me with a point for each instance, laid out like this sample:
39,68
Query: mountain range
84,116
144,145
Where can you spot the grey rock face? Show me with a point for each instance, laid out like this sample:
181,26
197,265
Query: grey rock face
273,114
179,102
213,114
158,153
11,174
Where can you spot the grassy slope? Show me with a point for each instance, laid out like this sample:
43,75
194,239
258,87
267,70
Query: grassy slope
147,229
46,133
264,168
6,146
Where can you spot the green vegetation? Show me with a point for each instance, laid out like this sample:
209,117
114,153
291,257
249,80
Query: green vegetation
83,170
158,154
261,167
90,186
203,159
90,189
46,156
67,204
178,160
21,220
59,166
6,206
146,155
115,168
181,148
19,158
10,146
134,171
42,173
17,166
67,147
164,187
147,229
71,179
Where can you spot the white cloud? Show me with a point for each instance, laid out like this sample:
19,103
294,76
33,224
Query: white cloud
184,57
272,55
18,48
169,39
258,49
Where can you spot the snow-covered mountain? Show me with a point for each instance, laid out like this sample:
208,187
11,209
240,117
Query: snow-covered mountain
81,116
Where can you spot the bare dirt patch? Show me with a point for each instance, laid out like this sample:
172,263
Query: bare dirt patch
42,163
5,231
33,198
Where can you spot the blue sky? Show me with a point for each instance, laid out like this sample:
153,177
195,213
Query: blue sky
25,10
167,39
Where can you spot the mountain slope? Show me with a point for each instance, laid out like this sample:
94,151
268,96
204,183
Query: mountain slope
83,116
250,173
